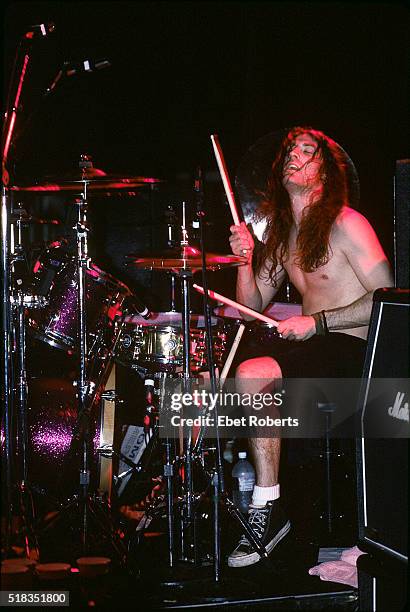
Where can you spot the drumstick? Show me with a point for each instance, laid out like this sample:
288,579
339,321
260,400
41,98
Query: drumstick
225,178
231,355
244,309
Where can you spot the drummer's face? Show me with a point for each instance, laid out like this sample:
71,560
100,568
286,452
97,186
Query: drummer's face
303,162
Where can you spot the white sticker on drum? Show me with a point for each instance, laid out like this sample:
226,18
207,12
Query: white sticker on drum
132,447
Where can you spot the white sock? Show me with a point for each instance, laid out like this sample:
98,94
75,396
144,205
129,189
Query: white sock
261,495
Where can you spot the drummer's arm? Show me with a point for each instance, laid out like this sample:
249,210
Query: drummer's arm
255,289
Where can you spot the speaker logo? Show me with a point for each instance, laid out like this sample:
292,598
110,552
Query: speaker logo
399,411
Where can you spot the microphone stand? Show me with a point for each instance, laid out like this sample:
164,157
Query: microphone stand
218,482
9,382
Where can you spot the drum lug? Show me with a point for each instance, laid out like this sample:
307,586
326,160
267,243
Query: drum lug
110,395
106,450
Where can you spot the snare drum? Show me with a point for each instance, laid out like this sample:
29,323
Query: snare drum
157,343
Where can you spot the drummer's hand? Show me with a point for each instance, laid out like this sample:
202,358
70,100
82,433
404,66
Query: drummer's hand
241,241
297,328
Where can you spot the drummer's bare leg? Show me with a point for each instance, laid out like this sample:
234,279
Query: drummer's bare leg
256,376
266,516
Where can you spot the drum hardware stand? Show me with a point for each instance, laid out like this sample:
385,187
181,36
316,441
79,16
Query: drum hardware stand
217,477
15,90
24,490
173,292
188,523
168,473
17,302
86,506
83,414
171,242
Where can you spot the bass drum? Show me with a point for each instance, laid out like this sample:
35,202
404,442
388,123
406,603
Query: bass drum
54,432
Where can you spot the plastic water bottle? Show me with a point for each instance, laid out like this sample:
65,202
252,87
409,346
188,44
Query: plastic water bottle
243,482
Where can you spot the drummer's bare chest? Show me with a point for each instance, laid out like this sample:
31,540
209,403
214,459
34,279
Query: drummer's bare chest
328,278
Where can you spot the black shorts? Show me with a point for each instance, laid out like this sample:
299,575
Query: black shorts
335,355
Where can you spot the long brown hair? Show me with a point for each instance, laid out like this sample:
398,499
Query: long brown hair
317,219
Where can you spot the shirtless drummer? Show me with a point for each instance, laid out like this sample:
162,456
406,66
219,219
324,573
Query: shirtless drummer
334,259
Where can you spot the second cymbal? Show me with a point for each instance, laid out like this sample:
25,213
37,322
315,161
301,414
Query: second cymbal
94,180
183,258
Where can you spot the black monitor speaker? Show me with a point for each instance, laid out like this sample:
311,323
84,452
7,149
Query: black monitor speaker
382,449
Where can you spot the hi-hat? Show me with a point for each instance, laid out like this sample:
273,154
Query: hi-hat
184,258
93,178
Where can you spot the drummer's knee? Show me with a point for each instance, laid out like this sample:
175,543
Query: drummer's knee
258,368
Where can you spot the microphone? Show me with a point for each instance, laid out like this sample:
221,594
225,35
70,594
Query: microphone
86,65
41,29
70,69
139,306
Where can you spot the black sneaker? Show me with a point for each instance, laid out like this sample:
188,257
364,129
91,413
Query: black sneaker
270,525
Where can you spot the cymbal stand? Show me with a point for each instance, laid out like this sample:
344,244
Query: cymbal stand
83,385
83,416
82,505
217,477
188,535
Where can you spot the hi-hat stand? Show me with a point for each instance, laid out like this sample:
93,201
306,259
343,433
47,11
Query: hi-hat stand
184,261
192,453
188,531
217,476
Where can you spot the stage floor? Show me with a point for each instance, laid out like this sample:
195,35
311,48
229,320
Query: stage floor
284,584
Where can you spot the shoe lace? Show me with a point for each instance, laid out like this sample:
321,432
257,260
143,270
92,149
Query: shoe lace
257,520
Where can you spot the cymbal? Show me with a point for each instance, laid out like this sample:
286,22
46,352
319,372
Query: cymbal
96,180
184,258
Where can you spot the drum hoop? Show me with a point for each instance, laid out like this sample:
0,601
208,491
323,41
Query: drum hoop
152,323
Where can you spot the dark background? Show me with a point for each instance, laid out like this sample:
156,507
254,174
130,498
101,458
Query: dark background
184,70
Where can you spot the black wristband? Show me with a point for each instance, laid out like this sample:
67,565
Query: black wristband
319,325
322,312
